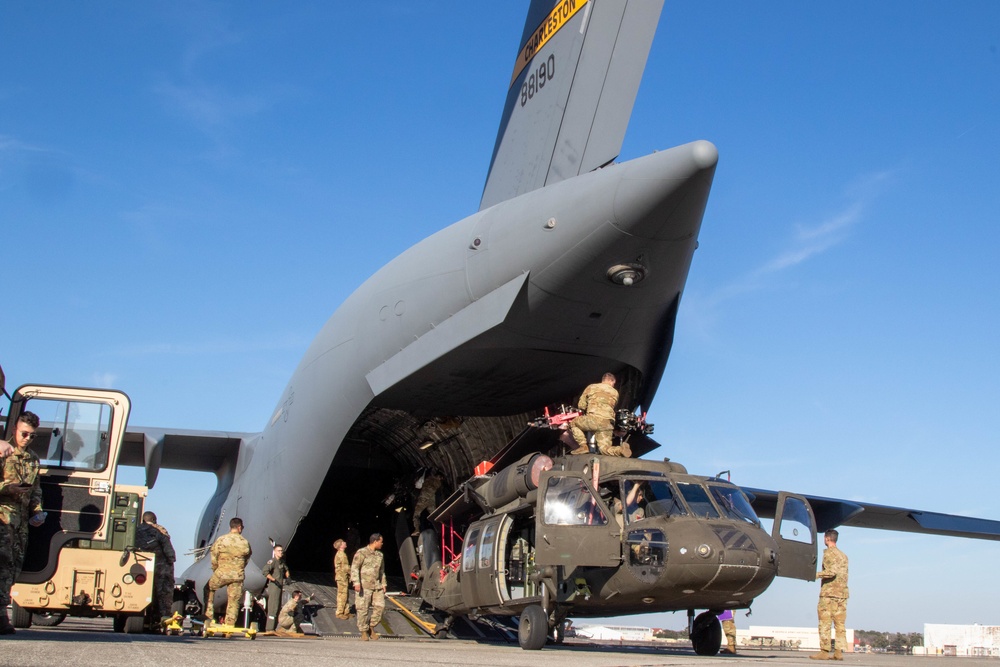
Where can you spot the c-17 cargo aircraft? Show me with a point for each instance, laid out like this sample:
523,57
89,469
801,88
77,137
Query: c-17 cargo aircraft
573,266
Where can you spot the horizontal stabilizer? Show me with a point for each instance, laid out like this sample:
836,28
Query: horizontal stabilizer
833,512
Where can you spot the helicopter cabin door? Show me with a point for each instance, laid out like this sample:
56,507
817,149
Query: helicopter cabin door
480,568
795,532
572,526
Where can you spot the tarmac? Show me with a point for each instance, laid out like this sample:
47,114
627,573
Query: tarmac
93,642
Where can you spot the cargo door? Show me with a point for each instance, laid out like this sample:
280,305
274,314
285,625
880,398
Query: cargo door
78,441
573,527
795,532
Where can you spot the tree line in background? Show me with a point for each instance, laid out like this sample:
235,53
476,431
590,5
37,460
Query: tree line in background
890,641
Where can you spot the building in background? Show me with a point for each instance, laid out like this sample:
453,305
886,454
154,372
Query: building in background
792,639
962,640
615,633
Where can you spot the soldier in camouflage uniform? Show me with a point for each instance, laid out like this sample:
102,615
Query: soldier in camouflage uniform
427,498
368,577
150,536
598,402
729,630
342,575
230,554
20,505
275,573
290,616
833,596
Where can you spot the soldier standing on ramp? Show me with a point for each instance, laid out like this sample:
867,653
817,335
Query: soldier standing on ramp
230,554
427,499
150,536
342,574
275,573
368,576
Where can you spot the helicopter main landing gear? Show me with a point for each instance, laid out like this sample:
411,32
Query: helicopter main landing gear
705,632
533,628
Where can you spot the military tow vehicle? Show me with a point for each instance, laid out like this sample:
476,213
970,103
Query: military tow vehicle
81,561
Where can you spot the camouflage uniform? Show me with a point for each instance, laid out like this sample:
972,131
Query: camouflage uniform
19,467
290,616
230,554
368,570
729,630
155,538
342,573
833,596
598,402
277,569
427,498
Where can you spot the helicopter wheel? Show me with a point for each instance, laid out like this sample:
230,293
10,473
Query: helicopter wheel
706,637
533,628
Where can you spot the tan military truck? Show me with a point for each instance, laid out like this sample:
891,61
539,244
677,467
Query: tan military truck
81,561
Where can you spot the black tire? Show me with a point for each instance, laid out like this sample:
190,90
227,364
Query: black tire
19,616
118,622
706,637
533,628
134,625
47,620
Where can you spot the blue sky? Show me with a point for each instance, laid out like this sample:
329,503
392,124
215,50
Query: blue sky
189,190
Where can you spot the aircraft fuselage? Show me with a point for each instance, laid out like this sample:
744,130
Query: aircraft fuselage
511,308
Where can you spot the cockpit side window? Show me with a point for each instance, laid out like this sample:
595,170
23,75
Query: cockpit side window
734,504
795,522
569,502
698,500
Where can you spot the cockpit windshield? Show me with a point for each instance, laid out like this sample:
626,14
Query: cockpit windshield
733,503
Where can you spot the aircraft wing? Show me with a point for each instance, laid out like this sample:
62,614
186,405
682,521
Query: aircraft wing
833,512
181,449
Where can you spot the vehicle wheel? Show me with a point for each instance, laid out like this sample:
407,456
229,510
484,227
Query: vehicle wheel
134,625
706,637
47,619
19,616
533,628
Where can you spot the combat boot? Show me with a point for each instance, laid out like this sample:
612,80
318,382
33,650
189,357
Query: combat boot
5,627
838,655
822,655
372,634
364,635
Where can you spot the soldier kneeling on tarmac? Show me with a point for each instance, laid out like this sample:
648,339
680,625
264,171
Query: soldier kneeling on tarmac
290,616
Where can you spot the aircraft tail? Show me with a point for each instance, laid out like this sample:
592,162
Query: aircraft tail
571,92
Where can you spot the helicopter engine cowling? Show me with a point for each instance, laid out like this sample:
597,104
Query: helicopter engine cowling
515,481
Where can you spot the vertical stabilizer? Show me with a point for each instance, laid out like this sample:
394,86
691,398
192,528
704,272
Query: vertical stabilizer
571,92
